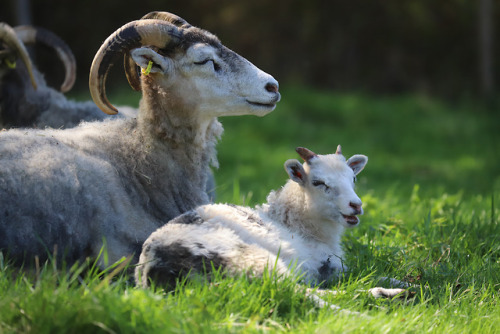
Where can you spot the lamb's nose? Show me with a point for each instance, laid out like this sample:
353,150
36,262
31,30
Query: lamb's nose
271,87
356,207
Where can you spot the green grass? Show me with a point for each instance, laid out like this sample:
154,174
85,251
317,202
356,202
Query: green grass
431,194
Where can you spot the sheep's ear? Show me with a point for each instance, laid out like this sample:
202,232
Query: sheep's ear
142,57
296,172
357,163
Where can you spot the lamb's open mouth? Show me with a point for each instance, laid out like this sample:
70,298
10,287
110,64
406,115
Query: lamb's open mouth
352,220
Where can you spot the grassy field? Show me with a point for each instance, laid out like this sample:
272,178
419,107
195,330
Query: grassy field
431,194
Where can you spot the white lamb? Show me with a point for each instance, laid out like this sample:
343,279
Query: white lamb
299,229
119,180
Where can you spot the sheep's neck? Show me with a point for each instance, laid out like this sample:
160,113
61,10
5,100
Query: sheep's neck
167,117
179,149
290,204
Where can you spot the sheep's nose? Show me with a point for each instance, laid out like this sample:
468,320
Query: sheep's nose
272,87
356,207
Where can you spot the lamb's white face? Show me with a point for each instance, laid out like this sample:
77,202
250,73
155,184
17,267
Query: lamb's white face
328,181
214,80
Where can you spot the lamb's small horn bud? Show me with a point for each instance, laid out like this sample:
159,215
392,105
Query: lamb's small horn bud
305,153
339,150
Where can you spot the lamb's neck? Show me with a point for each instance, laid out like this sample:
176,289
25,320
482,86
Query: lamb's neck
292,207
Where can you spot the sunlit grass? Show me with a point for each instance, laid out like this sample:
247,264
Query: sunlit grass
431,194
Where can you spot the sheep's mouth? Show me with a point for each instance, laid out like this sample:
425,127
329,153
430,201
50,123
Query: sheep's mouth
262,105
351,220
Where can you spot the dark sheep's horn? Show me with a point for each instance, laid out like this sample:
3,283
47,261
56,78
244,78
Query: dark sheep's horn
305,153
132,71
130,36
168,17
9,37
32,35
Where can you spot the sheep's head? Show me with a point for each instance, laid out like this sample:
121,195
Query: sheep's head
189,63
14,40
11,49
328,181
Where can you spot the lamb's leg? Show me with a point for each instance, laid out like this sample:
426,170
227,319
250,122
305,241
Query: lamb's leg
388,293
398,289
314,295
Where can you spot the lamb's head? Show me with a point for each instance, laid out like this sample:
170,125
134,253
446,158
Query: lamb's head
189,63
328,183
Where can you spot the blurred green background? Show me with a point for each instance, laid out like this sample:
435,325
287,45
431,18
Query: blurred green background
411,84
435,47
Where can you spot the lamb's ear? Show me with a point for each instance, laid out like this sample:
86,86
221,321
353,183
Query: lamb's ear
357,163
295,170
142,57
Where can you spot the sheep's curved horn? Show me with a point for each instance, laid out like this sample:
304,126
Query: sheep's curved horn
305,153
339,150
32,35
10,38
130,36
132,71
168,17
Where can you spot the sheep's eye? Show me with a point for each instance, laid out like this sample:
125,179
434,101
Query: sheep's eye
354,179
203,62
318,183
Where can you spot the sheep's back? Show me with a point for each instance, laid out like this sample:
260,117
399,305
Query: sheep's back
55,192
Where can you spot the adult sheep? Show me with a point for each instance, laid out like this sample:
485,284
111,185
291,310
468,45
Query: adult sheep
25,98
11,50
298,230
119,180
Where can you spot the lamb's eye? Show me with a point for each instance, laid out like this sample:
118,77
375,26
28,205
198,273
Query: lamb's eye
354,179
318,183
